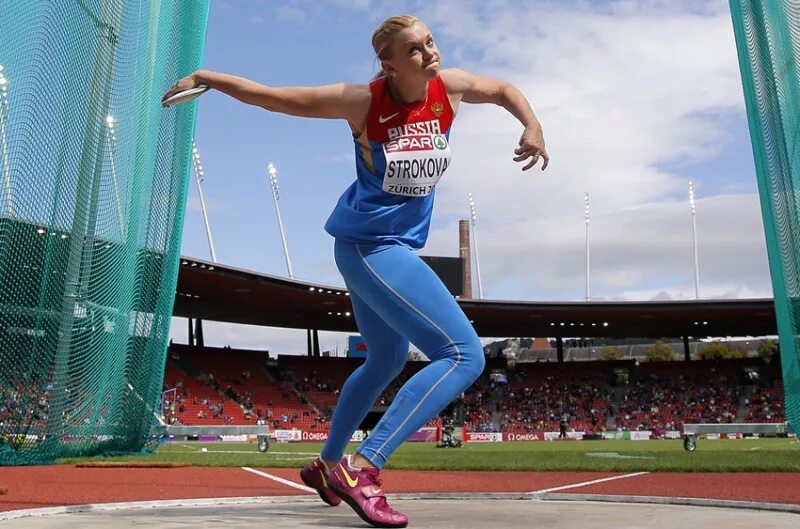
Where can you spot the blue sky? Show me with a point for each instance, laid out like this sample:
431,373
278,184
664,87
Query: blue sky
636,98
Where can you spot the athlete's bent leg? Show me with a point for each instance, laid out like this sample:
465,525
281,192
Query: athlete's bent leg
405,293
387,352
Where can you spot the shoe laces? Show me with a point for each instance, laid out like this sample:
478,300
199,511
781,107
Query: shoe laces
380,502
372,475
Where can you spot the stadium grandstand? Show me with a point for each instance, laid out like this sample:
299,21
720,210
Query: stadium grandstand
220,386
528,385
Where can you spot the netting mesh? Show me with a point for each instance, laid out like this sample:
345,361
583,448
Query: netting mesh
94,178
768,41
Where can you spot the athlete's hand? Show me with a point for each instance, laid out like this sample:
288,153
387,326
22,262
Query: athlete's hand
190,81
531,145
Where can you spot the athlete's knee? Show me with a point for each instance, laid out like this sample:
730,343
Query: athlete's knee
385,365
465,354
396,364
473,360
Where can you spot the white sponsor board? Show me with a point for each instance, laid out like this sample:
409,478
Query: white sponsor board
551,436
484,437
234,438
643,435
357,436
286,436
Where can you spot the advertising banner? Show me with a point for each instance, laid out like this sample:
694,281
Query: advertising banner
523,436
297,435
357,436
484,437
234,438
314,436
426,434
287,436
552,436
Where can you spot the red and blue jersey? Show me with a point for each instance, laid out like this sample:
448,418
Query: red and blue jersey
401,154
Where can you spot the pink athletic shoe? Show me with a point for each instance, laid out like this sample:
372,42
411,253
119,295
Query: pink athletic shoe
316,475
361,490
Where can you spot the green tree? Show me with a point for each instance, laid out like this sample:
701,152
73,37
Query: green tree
661,352
720,351
767,348
609,353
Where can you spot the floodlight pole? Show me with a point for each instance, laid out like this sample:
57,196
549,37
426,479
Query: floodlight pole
4,142
474,218
199,175
586,217
111,135
694,241
273,182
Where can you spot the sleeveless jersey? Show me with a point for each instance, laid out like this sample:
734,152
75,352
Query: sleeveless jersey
400,156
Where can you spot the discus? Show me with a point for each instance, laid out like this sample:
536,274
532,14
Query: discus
185,95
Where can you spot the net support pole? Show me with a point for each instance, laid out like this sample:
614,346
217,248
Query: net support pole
85,217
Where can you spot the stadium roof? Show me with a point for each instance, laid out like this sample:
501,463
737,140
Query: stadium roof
215,292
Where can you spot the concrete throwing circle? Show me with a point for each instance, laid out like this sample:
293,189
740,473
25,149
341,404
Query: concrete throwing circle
441,513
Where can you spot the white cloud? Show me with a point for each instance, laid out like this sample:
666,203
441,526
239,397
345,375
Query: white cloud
212,204
622,89
635,253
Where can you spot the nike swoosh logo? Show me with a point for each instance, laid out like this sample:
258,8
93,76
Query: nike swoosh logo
373,491
382,119
350,481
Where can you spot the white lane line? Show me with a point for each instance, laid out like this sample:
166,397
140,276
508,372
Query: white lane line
254,453
279,480
585,483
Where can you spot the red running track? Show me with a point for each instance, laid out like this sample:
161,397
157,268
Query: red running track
51,486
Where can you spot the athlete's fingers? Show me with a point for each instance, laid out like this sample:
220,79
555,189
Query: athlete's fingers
533,161
525,155
545,160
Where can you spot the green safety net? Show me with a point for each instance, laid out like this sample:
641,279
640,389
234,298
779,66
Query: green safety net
93,175
768,42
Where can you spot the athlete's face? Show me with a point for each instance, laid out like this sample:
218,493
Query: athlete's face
414,54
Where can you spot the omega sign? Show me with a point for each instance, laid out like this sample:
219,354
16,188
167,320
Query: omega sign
315,436
522,437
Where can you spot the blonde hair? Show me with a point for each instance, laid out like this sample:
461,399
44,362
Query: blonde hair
383,36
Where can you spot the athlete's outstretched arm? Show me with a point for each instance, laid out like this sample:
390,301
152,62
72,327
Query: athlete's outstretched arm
336,101
469,88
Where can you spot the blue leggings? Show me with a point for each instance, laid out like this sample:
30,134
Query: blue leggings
397,298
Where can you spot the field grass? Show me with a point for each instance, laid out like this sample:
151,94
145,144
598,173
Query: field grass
761,455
